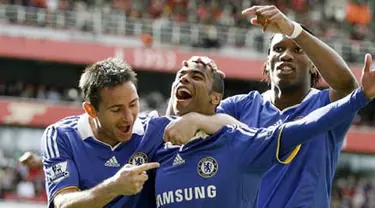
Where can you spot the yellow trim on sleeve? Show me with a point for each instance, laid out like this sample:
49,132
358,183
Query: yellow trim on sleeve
61,190
291,156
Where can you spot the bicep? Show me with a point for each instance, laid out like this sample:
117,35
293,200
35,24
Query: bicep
60,170
261,148
254,148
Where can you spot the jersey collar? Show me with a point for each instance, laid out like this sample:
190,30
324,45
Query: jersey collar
267,96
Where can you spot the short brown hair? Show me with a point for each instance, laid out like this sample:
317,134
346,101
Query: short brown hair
106,73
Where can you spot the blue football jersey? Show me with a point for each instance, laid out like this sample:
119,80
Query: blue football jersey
73,157
307,180
222,170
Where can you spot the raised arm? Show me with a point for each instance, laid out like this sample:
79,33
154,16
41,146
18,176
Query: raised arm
326,118
332,67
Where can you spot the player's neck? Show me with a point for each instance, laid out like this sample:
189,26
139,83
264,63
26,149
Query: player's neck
286,98
99,135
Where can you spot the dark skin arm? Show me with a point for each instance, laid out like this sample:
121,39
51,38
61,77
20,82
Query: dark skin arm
332,67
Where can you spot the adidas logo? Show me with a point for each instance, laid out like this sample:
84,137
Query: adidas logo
178,160
112,162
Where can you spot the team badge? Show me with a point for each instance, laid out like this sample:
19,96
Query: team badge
207,167
57,172
138,158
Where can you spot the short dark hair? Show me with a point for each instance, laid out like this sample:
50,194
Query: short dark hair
315,76
217,82
110,72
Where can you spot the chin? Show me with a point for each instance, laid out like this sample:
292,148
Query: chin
124,138
181,112
287,85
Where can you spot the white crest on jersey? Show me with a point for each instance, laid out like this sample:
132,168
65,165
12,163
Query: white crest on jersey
138,158
207,167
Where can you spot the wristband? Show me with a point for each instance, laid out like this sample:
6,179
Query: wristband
297,30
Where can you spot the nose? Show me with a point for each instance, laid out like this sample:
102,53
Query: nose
185,79
127,116
287,55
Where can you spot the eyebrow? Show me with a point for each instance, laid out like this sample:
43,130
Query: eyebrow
194,71
119,105
198,72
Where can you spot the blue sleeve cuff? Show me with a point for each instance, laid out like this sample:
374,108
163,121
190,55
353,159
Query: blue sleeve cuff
360,97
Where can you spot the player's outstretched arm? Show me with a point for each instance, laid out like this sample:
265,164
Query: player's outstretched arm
128,180
181,130
326,118
332,67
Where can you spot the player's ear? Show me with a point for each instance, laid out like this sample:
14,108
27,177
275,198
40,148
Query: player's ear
216,98
89,109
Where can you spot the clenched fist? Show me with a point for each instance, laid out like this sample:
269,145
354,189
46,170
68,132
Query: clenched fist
270,18
30,160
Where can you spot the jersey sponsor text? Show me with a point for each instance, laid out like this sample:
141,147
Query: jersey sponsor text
186,194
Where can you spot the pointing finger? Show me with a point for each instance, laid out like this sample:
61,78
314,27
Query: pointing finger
367,64
146,166
250,10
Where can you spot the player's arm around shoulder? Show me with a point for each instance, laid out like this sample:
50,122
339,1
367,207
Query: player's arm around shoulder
181,130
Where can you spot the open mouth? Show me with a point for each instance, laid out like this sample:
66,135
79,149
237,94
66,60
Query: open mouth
183,93
285,69
124,129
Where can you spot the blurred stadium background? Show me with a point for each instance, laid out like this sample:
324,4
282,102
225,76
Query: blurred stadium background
45,45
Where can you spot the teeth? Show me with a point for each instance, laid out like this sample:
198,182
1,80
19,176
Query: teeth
183,90
287,68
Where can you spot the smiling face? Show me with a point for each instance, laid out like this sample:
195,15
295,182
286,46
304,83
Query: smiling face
111,99
193,89
288,66
117,112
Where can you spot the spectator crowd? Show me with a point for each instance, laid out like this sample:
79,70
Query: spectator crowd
331,19
336,21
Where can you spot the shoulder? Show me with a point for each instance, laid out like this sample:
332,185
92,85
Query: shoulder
161,122
56,136
66,124
145,117
244,97
318,96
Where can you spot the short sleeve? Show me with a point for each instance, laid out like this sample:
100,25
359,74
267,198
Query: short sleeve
227,106
153,137
258,148
59,168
